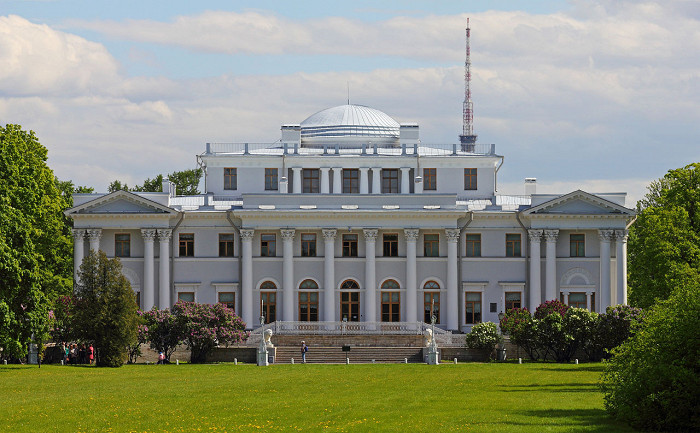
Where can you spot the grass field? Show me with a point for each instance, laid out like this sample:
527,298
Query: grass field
349,398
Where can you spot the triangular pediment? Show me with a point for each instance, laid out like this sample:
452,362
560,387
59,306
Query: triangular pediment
579,203
120,202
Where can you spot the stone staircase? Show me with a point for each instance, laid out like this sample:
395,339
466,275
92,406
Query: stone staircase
357,355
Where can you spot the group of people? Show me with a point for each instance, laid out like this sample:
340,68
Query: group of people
78,354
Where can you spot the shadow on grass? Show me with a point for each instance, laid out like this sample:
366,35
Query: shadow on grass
591,368
552,387
588,420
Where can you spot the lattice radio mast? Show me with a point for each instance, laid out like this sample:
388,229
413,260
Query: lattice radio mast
468,138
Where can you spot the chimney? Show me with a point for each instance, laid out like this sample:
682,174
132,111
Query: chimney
530,185
169,188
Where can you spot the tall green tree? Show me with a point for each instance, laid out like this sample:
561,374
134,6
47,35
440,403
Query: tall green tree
34,268
187,182
105,312
664,242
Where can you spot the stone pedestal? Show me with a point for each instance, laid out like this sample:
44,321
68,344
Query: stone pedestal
433,356
262,356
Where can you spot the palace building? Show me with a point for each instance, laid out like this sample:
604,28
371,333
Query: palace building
351,217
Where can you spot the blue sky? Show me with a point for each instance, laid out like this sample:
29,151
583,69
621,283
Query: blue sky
600,95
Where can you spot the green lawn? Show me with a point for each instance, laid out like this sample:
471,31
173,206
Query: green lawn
353,398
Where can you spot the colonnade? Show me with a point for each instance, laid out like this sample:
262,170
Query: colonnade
550,237
337,183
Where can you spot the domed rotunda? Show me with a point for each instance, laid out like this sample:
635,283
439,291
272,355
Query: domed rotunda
349,125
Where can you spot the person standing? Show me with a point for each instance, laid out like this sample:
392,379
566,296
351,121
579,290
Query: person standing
91,353
304,349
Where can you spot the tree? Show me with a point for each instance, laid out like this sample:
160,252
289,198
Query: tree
186,181
105,312
162,331
664,242
33,241
653,379
117,186
484,336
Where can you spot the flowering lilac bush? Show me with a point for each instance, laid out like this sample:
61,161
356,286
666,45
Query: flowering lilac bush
613,328
549,307
162,330
205,326
484,336
520,326
134,349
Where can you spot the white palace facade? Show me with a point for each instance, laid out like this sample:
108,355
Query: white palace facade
350,217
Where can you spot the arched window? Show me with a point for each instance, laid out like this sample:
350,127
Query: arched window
308,285
390,285
431,285
431,301
349,285
350,301
268,298
391,301
268,285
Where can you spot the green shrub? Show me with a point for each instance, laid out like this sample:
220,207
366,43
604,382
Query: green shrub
484,336
519,325
652,380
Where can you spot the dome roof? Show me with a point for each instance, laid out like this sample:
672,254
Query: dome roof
349,124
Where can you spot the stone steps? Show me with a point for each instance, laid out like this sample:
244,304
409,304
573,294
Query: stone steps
357,355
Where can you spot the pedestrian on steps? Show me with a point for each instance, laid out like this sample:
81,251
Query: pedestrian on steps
304,349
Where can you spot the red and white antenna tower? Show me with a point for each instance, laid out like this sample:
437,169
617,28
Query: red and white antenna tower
468,138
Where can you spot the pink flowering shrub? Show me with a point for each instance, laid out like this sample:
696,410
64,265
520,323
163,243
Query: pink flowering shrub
553,306
162,330
205,326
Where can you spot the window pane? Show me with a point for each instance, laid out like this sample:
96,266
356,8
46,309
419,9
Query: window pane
471,296
185,296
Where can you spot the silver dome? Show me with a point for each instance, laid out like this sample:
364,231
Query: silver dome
349,124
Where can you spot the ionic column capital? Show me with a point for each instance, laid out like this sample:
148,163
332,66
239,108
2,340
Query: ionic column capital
605,235
621,235
164,234
247,235
452,235
411,234
551,235
287,234
78,234
94,234
148,235
370,234
535,235
329,234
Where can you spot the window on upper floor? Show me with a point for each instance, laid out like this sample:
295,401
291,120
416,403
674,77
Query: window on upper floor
267,245
429,179
577,245
226,244
308,245
390,181
350,245
391,245
122,245
351,181
310,181
271,179
513,245
186,244
431,245
230,178
473,245
469,178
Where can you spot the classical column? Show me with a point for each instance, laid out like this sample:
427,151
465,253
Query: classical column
452,283
288,274
325,180
566,298
370,275
246,278
411,285
376,180
164,265
418,186
535,269
337,180
296,182
149,295
605,298
329,275
588,301
94,236
405,184
551,266
364,180
78,252
621,253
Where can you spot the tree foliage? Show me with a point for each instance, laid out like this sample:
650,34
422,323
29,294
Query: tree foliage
664,242
105,311
484,336
653,379
186,181
162,330
35,248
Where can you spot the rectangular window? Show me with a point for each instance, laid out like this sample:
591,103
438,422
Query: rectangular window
513,300
122,245
308,306
431,245
351,181
350,306
185,296
138,300
228,299
577,245
431,305
391,245
472,311
267,245
390,181
473,245
391,303
350,245
469,178
269,306
577,300
186,244
230,178
513,245
225,244
308,245
429,179
271,179
309,181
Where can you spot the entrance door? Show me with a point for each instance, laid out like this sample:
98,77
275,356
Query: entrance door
350,306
